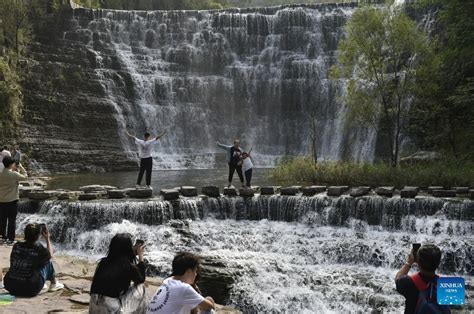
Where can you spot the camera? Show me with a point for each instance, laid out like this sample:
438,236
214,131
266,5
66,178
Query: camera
139,242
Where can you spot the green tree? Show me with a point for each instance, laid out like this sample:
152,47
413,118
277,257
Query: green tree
382,56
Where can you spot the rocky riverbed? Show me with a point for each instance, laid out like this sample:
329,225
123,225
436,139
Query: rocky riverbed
76,274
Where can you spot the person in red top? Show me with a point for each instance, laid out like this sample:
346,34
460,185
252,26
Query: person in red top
428,258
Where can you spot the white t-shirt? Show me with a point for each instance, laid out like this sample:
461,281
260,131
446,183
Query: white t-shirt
3,154
144,147
247,164
174,297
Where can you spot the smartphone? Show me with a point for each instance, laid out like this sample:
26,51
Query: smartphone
415,248
139,242
42,227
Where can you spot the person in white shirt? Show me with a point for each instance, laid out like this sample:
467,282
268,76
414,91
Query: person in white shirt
176,295
4,152
145,148
247,166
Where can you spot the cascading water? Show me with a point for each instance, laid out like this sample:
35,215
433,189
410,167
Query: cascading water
291,253
260,74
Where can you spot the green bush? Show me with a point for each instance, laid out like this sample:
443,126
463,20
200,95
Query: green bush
302,170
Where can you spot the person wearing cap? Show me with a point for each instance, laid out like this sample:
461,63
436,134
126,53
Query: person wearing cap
9,196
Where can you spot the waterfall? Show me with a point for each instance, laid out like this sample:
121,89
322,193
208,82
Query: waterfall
258,74
300,254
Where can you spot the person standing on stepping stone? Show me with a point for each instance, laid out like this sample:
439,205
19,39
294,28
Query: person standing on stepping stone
145,153
234,154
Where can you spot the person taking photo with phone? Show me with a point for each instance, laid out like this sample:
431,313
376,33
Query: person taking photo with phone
420,289
111,291
30,264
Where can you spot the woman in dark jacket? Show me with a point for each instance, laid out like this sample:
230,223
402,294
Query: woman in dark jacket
111,291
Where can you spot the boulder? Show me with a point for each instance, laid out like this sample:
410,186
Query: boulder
337,190
246,192
230,191
409,192
291,190
359,191
170,194
116,194
269,190
217,279
444,193
188,191
42,195
461,189
140,193
88,196
436,187
385,191
211,190
312,190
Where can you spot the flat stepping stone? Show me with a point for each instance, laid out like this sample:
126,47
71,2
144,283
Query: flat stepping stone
359,191
189,191
230,191
246,192
116,194
42,195
211,191
291,190
313,190
337,190
461,189
80,298
385,191
436,187
96,188
444,193
88,196
24,191
140,193
409,192
170,194
268,190
67,195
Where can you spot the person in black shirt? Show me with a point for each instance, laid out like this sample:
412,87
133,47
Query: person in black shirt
30,264
234,160
110,290
428,258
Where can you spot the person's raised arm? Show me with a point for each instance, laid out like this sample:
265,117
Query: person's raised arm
161,135
207,304
226,147
406,267
47,237
130,135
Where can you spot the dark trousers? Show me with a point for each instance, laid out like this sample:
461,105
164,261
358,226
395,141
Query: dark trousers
232,168
8,212
248,177
146,164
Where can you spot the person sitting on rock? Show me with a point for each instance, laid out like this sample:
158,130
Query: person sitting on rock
176,294
30,264
145,153
111,291
419,289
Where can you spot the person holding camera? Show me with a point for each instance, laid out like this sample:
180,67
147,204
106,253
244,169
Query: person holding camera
111,291
30,264
9,196
420,288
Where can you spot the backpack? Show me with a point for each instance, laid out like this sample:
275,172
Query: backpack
427,297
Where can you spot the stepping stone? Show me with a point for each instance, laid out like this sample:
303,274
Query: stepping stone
337,190
360,191
88,196
291,190
96,188
116,194
432,188
230,191
42,195
385,191
312,190
409,192
80,298
444,193
140,193
267,190
211,190
189,191
67,195
246,192
170,194
461,190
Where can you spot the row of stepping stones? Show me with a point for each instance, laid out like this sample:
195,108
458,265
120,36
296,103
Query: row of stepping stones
92,192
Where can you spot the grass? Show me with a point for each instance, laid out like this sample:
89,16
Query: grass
302,170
